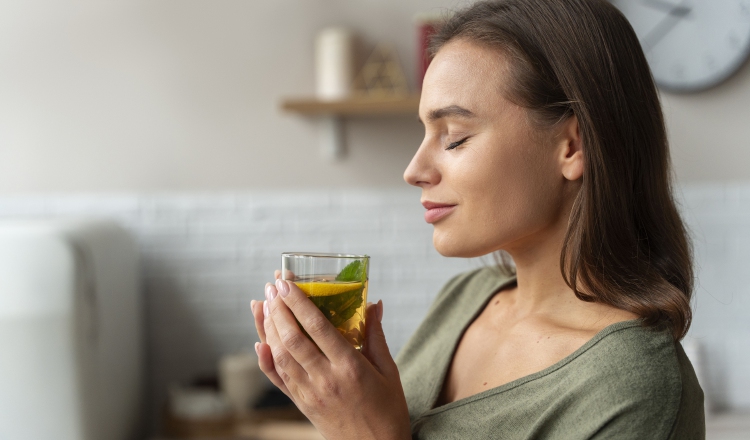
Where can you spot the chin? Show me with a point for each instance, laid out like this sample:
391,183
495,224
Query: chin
457,247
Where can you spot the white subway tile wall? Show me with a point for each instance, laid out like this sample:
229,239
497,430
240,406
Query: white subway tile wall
718,216
205,256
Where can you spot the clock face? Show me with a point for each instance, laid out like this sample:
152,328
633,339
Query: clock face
691,45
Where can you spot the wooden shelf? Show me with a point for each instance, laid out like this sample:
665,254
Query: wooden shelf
330,115
355,106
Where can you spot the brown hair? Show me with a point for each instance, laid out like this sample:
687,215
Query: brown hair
626,244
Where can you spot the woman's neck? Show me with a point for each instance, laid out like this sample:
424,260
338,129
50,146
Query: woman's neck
540,284
541,290
542,293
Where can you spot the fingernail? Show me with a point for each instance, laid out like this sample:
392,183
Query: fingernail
265,309
252,305
380,310
268,292
256,348
283,287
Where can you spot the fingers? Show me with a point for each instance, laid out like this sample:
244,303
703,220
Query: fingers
294,339
258,315
286,365
257,308
322,332
375,348
277,275
265,361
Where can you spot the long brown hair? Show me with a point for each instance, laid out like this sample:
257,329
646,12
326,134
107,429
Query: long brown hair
626,244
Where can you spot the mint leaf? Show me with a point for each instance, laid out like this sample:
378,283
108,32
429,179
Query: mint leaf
354,271
339,308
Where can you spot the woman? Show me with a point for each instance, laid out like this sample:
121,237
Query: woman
544,140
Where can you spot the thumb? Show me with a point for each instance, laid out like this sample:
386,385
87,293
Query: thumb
375,348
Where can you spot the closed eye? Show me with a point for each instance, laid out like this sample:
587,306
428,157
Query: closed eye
457,143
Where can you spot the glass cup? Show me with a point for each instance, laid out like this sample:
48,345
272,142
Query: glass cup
336,284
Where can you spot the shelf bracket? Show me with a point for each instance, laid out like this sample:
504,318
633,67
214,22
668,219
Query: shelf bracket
332,143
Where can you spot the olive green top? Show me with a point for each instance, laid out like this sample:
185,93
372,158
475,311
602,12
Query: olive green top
628,382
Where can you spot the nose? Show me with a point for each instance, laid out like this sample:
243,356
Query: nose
422,170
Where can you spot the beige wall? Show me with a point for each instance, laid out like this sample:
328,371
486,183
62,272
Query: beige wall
129,95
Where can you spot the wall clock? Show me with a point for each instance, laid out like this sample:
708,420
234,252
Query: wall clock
691,45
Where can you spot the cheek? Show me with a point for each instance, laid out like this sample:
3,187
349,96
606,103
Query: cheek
503,197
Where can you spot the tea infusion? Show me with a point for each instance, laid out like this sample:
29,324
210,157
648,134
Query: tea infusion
341,302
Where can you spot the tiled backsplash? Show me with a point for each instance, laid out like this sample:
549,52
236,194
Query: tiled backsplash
719,219
205,256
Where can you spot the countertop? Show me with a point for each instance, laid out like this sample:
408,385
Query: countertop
728,426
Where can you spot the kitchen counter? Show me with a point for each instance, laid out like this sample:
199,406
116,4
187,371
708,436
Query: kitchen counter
283,423
728,426
277,430
721,426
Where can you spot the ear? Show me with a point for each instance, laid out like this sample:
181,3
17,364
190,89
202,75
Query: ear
570,148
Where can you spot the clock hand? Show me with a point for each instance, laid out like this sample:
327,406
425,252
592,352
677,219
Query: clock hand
675,14
668,7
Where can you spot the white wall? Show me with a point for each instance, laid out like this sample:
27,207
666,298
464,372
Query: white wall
146,95
718,217
205,256
710,131
136,95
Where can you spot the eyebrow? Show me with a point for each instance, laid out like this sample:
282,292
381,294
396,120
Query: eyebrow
451,110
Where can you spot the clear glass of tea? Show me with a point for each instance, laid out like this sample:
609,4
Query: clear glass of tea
336,284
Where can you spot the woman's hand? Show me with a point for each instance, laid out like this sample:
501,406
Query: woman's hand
258,308
345,394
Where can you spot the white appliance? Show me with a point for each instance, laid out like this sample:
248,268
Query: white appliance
71,338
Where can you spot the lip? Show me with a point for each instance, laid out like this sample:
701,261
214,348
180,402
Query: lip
437,211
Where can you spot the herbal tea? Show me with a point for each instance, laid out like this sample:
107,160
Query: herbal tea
341,302
336,284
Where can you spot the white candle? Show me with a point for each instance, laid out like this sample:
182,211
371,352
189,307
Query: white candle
334,63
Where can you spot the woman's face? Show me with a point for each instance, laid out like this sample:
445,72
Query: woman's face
489,180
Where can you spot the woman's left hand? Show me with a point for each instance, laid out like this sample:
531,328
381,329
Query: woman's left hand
345,394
